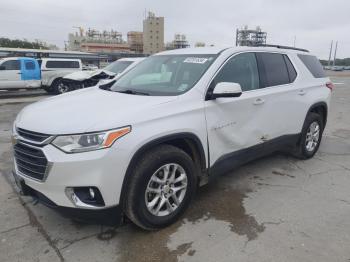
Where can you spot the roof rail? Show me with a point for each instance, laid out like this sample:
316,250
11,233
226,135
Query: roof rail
285,47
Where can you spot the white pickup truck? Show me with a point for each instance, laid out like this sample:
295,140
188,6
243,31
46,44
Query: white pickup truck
27,73
53,70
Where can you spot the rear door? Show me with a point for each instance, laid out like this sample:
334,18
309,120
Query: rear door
279,86
10,75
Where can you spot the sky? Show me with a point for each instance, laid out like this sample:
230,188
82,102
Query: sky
313,23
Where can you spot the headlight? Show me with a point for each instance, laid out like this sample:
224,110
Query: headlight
88,142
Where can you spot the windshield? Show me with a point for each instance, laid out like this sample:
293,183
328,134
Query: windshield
164,75
118,66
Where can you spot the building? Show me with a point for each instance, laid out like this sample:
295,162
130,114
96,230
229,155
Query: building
135,41
153,34
95,41
179,41
250,37
199,44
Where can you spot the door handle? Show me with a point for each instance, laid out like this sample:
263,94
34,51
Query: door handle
19,73
301,92
259,101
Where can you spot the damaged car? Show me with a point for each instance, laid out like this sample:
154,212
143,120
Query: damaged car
83,79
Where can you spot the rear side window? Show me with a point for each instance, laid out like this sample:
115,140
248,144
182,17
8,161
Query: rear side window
291,70
11,65
313,64
275,69
62,64
29,65
241,69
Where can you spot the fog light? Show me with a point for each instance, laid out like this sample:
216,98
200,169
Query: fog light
92,193
85,197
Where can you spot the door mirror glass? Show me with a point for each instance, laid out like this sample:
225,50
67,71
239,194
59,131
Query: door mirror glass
2,68
227,89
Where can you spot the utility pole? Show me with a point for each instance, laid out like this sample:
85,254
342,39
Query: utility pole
330,54
335,52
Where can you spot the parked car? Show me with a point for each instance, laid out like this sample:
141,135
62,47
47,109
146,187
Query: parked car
90,67
337,68
19,73
141,147
85,79
52,71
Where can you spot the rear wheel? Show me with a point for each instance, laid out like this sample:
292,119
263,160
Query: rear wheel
310,137
162,186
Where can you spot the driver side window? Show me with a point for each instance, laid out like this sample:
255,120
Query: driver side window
241,69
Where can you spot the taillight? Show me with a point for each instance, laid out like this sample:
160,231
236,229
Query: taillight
330,85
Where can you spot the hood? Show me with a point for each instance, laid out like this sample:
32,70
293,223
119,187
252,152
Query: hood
83,75
88,110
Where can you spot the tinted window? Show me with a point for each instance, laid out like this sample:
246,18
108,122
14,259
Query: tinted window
275,69
12,65
291,70
62,64
29,65
242,69
313,64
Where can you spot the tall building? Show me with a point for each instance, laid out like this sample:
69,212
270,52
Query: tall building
135,41
153,34
250,37
97,41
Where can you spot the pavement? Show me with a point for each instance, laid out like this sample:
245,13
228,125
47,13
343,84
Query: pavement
273,209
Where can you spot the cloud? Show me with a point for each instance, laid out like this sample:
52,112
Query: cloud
313,23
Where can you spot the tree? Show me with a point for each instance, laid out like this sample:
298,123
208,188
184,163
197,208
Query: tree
16,43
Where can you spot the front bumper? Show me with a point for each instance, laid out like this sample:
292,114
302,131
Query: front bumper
103,169
112,216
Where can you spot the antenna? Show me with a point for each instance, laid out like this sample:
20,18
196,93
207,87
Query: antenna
330,54
335,52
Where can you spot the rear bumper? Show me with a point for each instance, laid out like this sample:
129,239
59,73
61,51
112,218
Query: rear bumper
111,216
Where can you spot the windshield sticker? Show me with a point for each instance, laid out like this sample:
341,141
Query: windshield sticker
195,60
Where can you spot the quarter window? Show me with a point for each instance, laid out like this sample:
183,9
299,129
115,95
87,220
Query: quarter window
241,69
313,65
275,68
12,65
291,70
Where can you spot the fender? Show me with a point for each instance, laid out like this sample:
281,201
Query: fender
153,143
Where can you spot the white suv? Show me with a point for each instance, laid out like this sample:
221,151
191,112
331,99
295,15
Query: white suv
141,145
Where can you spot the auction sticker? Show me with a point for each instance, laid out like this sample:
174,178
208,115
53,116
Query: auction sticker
195,60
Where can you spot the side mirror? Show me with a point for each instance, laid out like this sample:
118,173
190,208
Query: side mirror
227,89
2,68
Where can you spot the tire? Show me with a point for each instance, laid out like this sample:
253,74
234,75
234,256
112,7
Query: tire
48,90
150,165
57,88
304,149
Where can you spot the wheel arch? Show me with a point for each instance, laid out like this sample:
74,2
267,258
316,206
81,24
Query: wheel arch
320,108
188,142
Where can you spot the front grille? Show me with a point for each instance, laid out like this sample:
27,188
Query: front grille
30,161
33,136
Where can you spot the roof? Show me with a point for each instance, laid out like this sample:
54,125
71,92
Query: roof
216,50
193,51
10,49
132,59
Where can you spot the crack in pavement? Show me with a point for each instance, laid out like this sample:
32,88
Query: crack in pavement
14,228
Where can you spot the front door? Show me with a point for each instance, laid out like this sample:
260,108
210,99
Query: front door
238,123
10,75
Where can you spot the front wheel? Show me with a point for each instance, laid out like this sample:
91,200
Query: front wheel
59,87
310,137
162,186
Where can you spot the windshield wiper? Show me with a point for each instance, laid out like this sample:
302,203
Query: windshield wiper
133,92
